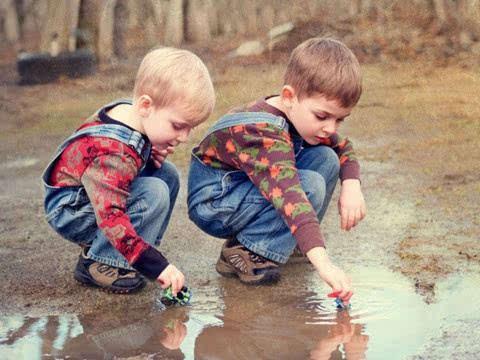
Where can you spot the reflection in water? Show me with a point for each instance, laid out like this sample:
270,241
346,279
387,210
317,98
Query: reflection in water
387,320
93,336
266,337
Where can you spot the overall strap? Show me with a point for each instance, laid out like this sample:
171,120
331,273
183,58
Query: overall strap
244,118
117,132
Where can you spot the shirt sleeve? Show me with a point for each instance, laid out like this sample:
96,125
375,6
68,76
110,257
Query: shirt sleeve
107,180
265,153
349,166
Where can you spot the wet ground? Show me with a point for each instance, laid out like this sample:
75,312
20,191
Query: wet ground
414,259
387,320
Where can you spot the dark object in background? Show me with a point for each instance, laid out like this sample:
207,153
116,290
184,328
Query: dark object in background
41,68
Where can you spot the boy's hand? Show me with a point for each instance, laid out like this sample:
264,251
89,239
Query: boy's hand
351,205
174,334
332,275
171,276
159,155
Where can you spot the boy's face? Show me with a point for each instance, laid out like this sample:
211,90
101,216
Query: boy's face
315,117
166,126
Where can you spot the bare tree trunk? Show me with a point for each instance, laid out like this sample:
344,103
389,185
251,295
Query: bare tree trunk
10,21
174,32
105,31
267,16
440,9
88,24
472,9
250,15
120,28
239,17
225,26
197,25
61,24
155,22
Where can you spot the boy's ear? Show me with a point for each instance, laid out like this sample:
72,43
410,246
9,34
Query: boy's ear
145,105
288,95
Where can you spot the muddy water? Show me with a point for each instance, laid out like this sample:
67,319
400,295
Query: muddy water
227,320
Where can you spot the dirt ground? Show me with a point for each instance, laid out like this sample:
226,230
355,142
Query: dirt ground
416,130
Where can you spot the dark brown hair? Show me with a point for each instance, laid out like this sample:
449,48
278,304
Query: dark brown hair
325,66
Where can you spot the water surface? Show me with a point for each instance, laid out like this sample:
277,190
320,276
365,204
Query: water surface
227,320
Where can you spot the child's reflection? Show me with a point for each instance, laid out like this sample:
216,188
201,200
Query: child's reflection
343,333
254,326
104,334
174,334
159,333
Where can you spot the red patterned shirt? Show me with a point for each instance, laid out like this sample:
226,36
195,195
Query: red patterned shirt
106,168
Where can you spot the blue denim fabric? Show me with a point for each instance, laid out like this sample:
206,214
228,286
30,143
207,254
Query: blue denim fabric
152,197
226,203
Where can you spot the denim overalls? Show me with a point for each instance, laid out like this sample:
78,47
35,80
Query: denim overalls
152,197
225,203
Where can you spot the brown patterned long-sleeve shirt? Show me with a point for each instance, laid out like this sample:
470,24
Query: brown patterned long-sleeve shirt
265,153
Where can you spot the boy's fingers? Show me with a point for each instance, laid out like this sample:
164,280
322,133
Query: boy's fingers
343,217
351,220
355,217
364,211
359,215
164,283
176,286
178,281
347,297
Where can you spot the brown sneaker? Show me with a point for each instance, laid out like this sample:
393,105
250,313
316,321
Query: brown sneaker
253,269
109,278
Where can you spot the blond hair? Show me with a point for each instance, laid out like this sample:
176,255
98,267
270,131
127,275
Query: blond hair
325,66
176,77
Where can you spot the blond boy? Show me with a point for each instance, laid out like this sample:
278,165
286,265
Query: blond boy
109,188
264,174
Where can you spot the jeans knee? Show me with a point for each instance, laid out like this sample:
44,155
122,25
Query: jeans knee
331,160
156,195
315,188
169,174
322,159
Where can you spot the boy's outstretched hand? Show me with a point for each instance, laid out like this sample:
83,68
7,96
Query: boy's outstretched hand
332,275
171,276
351,205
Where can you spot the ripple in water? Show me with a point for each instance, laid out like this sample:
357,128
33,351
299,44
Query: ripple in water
379,295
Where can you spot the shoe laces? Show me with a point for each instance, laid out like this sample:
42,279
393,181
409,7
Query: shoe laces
112,271
257,259
107,270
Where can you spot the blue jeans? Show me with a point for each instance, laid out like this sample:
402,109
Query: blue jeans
149,206
226,203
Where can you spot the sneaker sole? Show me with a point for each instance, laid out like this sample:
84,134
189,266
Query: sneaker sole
268,277
83,280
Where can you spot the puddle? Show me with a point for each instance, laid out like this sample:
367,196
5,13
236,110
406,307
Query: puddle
387,320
